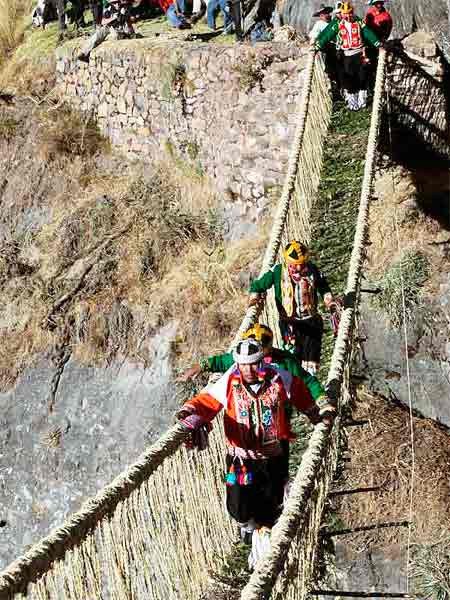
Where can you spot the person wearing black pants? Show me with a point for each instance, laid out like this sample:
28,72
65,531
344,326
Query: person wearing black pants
354,72
351,35
97,12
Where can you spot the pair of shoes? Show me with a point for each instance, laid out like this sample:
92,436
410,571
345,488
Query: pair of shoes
260,546
362,98
352,101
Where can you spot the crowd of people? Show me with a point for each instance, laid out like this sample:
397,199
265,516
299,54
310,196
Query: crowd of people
350,47
349,44
258,390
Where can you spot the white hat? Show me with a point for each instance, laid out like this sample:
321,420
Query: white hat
248,352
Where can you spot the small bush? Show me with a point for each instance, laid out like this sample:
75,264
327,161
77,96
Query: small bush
405,277
174,80
66,131
251,72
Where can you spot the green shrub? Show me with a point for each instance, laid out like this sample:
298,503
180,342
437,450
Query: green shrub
251,72
9,127
405,277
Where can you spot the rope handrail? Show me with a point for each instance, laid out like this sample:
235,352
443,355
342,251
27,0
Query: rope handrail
54,547
267,570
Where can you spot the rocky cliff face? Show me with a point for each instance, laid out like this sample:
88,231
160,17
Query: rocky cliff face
52,460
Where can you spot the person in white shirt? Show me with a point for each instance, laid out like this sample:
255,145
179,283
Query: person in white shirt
324,17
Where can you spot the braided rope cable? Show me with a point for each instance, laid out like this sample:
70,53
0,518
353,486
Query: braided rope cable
40,558
267,570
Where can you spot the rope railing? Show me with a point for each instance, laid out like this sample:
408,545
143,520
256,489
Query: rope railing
287,570
159,527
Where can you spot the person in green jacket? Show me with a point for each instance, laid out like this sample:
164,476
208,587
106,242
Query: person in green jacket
297,283
220,363
350,34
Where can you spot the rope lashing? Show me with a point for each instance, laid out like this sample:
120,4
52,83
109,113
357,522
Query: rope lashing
284,203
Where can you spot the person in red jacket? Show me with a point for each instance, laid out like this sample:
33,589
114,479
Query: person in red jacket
379,19
257,430
380,22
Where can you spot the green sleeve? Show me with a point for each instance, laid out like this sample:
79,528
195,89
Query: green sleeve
328,34
312,383
219,363
263,283
369,36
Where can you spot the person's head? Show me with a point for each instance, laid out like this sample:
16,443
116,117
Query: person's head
248,356
347,11
337,9
379,5
262,334
324,13
295,256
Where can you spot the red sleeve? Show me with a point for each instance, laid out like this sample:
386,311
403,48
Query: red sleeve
204,405
300,396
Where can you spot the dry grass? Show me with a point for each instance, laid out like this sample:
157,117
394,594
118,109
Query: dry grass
394,230
13,22
114,264
67,132
381,456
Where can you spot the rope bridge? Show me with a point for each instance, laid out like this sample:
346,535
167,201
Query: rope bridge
158,529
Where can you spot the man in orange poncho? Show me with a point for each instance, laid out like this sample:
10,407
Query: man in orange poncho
257,429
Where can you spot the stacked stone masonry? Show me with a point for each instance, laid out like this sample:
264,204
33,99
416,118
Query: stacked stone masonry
228,111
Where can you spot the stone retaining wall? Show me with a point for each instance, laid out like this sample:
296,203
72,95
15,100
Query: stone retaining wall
226,110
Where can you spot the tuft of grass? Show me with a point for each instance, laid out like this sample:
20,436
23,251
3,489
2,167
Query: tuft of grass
9,126
251,71
14,14
174,80
186,160
430,569
67,132
405,277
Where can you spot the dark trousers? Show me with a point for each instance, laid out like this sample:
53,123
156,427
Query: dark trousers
97,11
353,73
59,6
236,15
372,55
330,58
262,500
308,337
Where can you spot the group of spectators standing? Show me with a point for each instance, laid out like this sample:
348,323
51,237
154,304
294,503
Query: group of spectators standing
350,46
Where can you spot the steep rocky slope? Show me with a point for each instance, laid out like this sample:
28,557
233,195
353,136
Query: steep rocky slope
110,271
